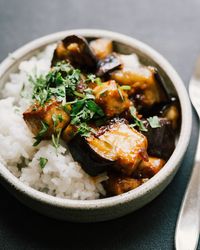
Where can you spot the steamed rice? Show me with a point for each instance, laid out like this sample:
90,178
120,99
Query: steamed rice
62,176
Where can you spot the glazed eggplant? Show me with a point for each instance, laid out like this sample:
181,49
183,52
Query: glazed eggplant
147,169
147,86
171,112
76,50
161,140
116,145
132,73
111,98
118,184
110,63
92,162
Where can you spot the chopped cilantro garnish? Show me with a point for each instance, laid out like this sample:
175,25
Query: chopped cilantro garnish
98,81
154,122
41,133
90,78
42,161
56,119
56,139
137,121
84,110
84,129
125,87
60,82
93,78
79,94
40,89
120,93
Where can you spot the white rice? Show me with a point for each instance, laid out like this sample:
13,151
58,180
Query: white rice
62,176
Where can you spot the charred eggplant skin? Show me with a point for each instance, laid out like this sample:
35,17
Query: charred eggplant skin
76,50
161,140
108,64
92,163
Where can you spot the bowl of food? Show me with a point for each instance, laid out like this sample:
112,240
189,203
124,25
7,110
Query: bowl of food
94,124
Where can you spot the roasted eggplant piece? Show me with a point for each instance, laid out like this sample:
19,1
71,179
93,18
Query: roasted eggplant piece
147,86
101,47
154,94
76,50
161,140
51,114
147,169
171,112
119,184
91,161
111,98
108,64
115,145
132,73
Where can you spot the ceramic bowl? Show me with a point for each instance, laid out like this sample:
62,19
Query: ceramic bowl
107,208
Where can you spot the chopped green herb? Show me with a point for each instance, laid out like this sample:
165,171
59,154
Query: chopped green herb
84,129
40,89
60,118
89,93
93,78
56,119
56,139
98,81
137,121
60,82
120,93
79,94
22,90
84,110
42,161
90,78
154,122
41,133
125,87
91,105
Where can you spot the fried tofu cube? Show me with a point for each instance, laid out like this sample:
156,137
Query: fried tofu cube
123,145
111,98
116,185
52,114
101,47
147,169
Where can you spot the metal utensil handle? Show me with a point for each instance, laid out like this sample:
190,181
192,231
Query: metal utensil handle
188,225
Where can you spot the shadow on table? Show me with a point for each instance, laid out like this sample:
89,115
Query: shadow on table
30,230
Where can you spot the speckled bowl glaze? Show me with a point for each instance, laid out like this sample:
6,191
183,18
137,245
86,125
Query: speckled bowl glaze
107,208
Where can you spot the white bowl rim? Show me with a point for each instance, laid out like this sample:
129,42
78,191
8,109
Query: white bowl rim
170,166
